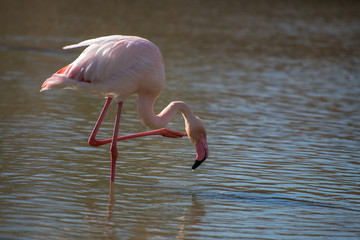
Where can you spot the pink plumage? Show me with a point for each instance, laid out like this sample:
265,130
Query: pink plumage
113,66
116,67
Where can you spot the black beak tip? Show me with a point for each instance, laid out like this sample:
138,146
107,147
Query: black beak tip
198,163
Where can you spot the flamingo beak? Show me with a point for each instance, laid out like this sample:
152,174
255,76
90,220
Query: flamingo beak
202,152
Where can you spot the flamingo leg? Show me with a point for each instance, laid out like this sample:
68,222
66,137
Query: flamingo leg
92,141
96,143
113,148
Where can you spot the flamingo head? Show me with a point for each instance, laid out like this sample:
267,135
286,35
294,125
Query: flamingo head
196,132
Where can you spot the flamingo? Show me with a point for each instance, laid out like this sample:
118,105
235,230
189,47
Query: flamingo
116,67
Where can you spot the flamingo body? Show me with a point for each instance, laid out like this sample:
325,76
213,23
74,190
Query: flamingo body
116,67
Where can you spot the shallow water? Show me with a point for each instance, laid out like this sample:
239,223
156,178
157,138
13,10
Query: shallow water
277,86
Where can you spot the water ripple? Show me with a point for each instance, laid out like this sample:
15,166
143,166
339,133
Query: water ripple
277,90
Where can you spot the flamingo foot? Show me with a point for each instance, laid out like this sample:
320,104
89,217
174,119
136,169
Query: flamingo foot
170,133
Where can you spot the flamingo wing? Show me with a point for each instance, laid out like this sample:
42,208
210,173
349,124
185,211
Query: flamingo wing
114,66
95,41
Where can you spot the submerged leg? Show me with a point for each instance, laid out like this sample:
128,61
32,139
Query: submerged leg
113,148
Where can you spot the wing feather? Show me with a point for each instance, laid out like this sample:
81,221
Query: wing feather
94,41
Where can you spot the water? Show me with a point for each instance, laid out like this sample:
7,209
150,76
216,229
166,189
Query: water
277,86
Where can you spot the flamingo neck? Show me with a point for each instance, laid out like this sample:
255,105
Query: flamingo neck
153,121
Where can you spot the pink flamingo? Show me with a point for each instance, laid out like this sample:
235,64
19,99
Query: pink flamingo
116,67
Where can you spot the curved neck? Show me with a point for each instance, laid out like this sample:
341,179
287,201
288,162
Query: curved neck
153,121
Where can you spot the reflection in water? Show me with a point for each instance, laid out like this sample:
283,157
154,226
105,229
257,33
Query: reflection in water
278,89
188,217
110,232
111,202
192,217
97,221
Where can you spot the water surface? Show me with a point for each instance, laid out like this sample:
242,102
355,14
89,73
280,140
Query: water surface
276,84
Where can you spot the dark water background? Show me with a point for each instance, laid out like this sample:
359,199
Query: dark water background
277,84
